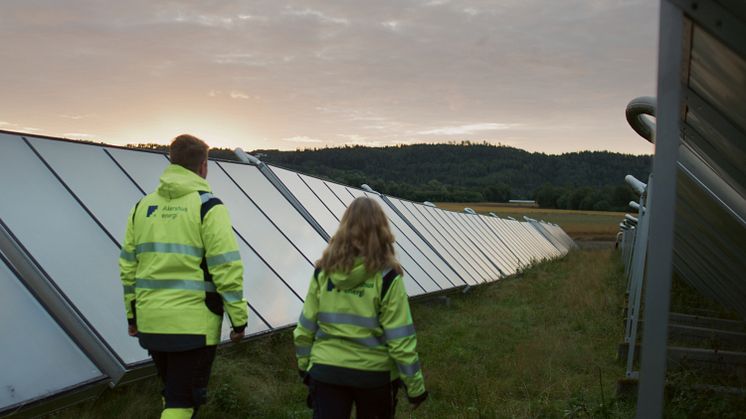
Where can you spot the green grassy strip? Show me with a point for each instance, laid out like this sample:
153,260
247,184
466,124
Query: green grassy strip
540,345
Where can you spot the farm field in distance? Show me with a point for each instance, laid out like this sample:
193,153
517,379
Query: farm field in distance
580,225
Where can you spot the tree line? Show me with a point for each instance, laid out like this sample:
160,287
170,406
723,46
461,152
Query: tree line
470,172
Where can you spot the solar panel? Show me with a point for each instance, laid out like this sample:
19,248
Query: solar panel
538,248
77,254
478,225
436,237
300,189
503,233
470,225
697,227
38,359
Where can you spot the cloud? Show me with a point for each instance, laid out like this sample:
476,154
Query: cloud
4,123
392,25
76,117
302,139
316,14
386,71
468,129
238,95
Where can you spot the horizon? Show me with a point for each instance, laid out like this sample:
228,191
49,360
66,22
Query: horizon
139,145
535,75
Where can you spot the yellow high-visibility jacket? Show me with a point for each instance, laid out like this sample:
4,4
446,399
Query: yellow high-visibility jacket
180,265
348,334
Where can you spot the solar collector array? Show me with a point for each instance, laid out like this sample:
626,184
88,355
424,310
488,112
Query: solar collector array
65,206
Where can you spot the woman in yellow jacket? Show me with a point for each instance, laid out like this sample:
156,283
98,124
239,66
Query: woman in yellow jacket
355,341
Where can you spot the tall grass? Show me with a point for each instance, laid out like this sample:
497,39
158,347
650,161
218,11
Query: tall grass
538,345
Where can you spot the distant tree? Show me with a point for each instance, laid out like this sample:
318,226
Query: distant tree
547,196
577,197
470,171
499,192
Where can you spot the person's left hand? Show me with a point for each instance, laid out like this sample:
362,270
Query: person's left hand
132,330
236,336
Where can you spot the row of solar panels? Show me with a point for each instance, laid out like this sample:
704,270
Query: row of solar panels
62,220
692,223
710,219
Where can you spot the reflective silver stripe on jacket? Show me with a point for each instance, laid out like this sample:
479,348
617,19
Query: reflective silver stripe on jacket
370,342
128,289
409,369
175,284
206,197
223,258
307,324
183,249
231,296
399,332
127,256
345,318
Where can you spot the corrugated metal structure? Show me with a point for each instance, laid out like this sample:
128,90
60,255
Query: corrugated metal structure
62,221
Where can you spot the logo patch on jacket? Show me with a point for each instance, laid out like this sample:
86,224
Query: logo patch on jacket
151,210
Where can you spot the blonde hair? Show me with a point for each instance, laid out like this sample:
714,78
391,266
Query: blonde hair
363,232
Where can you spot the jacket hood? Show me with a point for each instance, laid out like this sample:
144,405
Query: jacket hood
348,280
177,181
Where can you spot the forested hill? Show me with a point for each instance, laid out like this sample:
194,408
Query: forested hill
468,172
473,172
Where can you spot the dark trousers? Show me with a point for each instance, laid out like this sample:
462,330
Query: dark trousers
331,401
185,375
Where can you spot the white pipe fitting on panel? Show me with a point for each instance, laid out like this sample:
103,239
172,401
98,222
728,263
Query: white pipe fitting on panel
636,109
246,157
637,185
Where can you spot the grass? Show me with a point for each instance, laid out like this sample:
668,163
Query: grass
580,225
538,345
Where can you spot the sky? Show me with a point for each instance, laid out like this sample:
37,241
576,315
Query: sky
551,76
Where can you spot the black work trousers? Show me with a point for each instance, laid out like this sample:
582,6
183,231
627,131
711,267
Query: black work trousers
331,401
185,376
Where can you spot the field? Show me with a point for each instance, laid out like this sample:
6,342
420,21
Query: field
538,345
580,225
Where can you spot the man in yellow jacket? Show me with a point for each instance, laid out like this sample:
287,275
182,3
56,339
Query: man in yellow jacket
181,271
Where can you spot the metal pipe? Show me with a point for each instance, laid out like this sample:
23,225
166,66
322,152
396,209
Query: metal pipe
246,157
643,126
636,184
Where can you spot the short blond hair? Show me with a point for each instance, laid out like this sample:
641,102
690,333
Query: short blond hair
188,151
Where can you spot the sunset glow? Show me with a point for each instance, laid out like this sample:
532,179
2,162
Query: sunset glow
539,75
